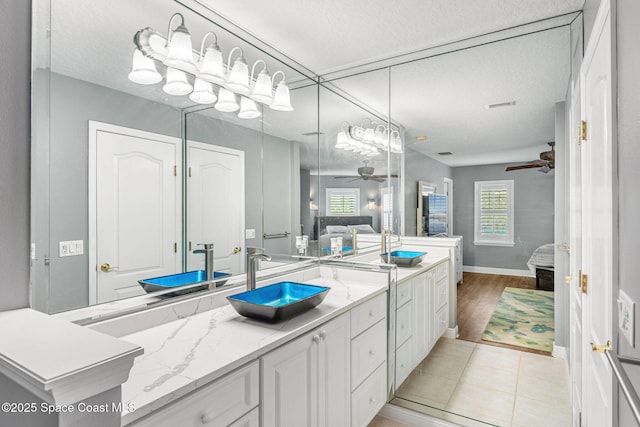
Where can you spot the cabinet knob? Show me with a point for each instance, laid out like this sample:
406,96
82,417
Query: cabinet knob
372,400
315,338
370,313
207,417
372,352
323,334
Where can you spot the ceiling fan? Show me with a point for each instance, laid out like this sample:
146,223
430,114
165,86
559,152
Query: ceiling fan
545,163
366,173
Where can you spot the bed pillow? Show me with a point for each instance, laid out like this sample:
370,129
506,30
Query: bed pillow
362,228
337,229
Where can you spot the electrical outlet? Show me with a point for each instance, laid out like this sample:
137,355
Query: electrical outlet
250,233
626,317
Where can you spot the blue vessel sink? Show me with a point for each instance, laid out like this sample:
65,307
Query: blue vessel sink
279,301
175,281
404,258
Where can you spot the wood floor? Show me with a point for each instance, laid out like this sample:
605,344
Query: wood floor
477,298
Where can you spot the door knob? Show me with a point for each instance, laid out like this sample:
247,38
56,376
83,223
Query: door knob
236,250
106,267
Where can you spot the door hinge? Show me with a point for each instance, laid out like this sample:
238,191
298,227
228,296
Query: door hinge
189,246
189,171
175,248
175,170
579,419
583,131
584,282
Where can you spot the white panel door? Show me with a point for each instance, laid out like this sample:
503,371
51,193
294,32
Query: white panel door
575,256
598,219
216,206
134,209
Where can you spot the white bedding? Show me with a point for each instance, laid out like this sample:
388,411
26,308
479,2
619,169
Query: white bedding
541,257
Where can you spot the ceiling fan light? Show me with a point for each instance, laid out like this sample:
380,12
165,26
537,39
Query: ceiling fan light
248,109
202,92
369,135
282,99
143,69
238,80
180,50
177,83
212,66
378,138
226,101
262,89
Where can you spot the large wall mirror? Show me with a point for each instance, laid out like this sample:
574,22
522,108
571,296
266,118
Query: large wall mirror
128,180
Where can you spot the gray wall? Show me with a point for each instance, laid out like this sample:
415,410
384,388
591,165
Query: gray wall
306,219
368,190
628,70
418,167
15,69
561,226
533,216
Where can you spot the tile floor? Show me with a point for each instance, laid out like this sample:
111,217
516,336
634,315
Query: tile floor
494,385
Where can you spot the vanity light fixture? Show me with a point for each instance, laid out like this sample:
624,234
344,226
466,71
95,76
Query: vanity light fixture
248,109
180,50
176,52
262,88
177,83
202,92
368,139
238,80
143,70
211,62
226,101
281,99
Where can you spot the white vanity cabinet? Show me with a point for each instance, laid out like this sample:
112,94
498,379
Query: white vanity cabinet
231,400
305,382
368,360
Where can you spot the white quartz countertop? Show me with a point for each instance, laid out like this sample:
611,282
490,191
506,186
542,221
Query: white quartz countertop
187,353
434,257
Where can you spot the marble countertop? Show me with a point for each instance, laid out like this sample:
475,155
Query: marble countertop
187,353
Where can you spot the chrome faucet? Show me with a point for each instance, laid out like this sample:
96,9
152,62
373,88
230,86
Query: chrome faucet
208,259
254,254
387,240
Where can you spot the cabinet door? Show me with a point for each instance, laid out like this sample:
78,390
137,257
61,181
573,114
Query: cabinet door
290,384
334,372
420,314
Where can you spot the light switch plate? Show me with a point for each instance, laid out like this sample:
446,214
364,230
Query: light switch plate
70,248
626,317
250,233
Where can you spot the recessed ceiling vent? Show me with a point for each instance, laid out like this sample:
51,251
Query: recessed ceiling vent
501,104
446,153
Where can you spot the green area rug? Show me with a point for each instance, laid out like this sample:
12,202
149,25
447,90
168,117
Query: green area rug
524,318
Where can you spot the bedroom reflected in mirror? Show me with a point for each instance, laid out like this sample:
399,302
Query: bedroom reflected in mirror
431,212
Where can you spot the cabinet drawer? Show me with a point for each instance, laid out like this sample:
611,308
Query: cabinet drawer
442,320
403,324
403,363
252,419
442,270
369,398
368,313
442,296
404,293
368,351
218,404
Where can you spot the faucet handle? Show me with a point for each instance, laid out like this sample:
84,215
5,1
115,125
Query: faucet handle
207,246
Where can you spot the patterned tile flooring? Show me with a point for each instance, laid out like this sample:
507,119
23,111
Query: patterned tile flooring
474,384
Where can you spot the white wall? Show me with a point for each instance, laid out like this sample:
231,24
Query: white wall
15,72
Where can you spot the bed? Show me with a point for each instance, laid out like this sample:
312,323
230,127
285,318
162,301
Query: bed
326,227
541,264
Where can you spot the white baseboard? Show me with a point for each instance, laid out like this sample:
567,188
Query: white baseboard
500,271
451,333
412,418
559,352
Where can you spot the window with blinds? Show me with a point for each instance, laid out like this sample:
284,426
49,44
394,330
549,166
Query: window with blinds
493,213
343,201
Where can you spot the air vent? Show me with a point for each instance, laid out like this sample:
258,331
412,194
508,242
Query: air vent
446,153
501,104
312,133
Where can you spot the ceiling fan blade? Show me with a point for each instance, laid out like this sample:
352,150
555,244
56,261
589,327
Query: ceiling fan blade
515,168
354,179
346,176
378,178
384,176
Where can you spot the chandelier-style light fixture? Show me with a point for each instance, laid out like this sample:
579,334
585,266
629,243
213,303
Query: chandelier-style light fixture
186,76
369,140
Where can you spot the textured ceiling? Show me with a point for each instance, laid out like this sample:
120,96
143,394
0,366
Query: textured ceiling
442,97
